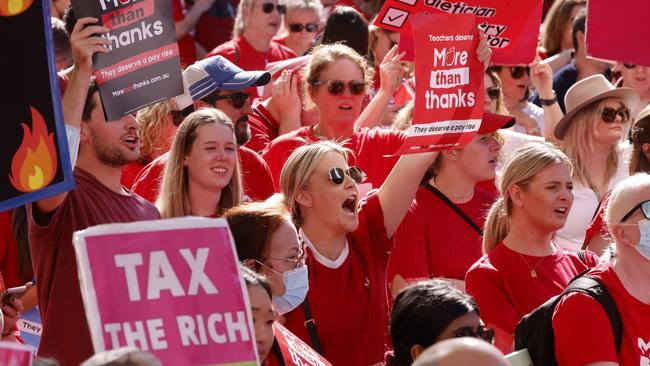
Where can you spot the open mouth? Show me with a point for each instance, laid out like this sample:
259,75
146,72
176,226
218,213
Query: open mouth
561,210
219,170
350,205
345,107
131,140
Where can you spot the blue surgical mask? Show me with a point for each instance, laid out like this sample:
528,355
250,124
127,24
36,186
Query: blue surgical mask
644,242
296,285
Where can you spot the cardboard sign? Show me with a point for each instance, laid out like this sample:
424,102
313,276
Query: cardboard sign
511,27
31,327
295,352
449,82
14,354
35,163
143,65
615,32
170,287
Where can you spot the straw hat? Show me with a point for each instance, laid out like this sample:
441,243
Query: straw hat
589,90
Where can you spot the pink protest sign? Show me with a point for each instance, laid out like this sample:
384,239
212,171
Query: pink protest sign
170,287
14,354
295,352
449,80
511,26
618,32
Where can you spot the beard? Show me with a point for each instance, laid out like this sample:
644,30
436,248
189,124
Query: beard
242,131
109,154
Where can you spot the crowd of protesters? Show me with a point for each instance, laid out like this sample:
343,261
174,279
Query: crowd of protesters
368,257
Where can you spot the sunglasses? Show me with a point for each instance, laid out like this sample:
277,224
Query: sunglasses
337,175
609,114
267,8
517,72
297,27
645,209
493,92
237,100
628,65
177,117
486,334
337,87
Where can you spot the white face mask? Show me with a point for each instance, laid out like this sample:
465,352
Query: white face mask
644,241
296,285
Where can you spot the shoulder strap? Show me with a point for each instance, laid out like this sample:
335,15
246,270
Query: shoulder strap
310,324
583,257
454,207
278,352
594,288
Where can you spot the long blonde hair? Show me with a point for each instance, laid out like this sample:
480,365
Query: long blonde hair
525,163
152,121
299,168
239,26
578,143
173,200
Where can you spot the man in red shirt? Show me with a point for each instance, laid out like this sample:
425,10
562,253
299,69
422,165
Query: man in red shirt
218,83
98,198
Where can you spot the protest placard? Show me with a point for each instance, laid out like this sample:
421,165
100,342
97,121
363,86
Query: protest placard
614,31
35,163
511,27
295,352
449,82
143,65
14,354
170,287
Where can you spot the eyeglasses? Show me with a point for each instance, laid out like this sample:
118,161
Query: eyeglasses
486,334
493,92
628,65
267,8
337,87
296,261
609,114
517,72
177,117
309,27
337,175
645,209
237,100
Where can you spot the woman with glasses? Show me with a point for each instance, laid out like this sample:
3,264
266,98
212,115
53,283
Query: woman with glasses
201,177
302,23
636,77
493,93
626,277
592,134
522,266
347,241
428,312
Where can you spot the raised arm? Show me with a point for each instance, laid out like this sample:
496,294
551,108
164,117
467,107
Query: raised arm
542,77
85,42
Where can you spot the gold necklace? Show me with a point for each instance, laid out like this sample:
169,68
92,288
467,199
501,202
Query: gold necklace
533,273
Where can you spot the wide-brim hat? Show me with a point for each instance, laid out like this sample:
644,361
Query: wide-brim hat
492,122
589,90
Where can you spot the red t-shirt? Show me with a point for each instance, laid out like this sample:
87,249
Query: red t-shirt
186,46
369,146
129,172
242,54
349,303
583,333
504,290
65,329
9,253
256,177
264,128
428,246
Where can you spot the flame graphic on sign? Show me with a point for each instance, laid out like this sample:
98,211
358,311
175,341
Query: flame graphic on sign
10,8
34,164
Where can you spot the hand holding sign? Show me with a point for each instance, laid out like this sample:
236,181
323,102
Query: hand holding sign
391,70
85,41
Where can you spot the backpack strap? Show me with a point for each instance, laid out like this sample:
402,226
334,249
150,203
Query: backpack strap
593,287
460,212
310,324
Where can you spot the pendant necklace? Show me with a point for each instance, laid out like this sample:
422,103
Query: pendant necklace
533,273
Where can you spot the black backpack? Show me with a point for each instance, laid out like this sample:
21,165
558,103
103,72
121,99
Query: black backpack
535,330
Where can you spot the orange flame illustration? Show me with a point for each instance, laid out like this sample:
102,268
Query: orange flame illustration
34,164
10,8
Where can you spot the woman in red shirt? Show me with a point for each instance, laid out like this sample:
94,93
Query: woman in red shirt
583,334
522,267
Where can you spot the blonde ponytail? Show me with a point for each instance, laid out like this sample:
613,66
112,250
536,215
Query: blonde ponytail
497,225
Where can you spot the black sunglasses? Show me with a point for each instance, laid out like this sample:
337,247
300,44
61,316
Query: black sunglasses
628,65
267,8
177,117
337,175
484,333
645,209
309,27
337,87
517,72
236,99
493,92
609,114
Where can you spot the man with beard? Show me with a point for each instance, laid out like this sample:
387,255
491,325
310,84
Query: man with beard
217,83
98,198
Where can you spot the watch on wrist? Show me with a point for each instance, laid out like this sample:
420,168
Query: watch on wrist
548,102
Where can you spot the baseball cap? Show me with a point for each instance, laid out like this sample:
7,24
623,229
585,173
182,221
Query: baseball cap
492,122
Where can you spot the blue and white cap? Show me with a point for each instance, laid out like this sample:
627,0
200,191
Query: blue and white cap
216,73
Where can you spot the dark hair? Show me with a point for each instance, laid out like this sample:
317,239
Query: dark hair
19,230
255,279
422,311
579,25
69,18
346,25
61,39
252,225
89,105
640,135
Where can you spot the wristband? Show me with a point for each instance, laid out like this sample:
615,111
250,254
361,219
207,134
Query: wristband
548,102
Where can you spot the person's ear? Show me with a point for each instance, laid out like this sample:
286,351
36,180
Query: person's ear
646,150
619,234
250,263
416,351
304,198
84,133
450,154
516,195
